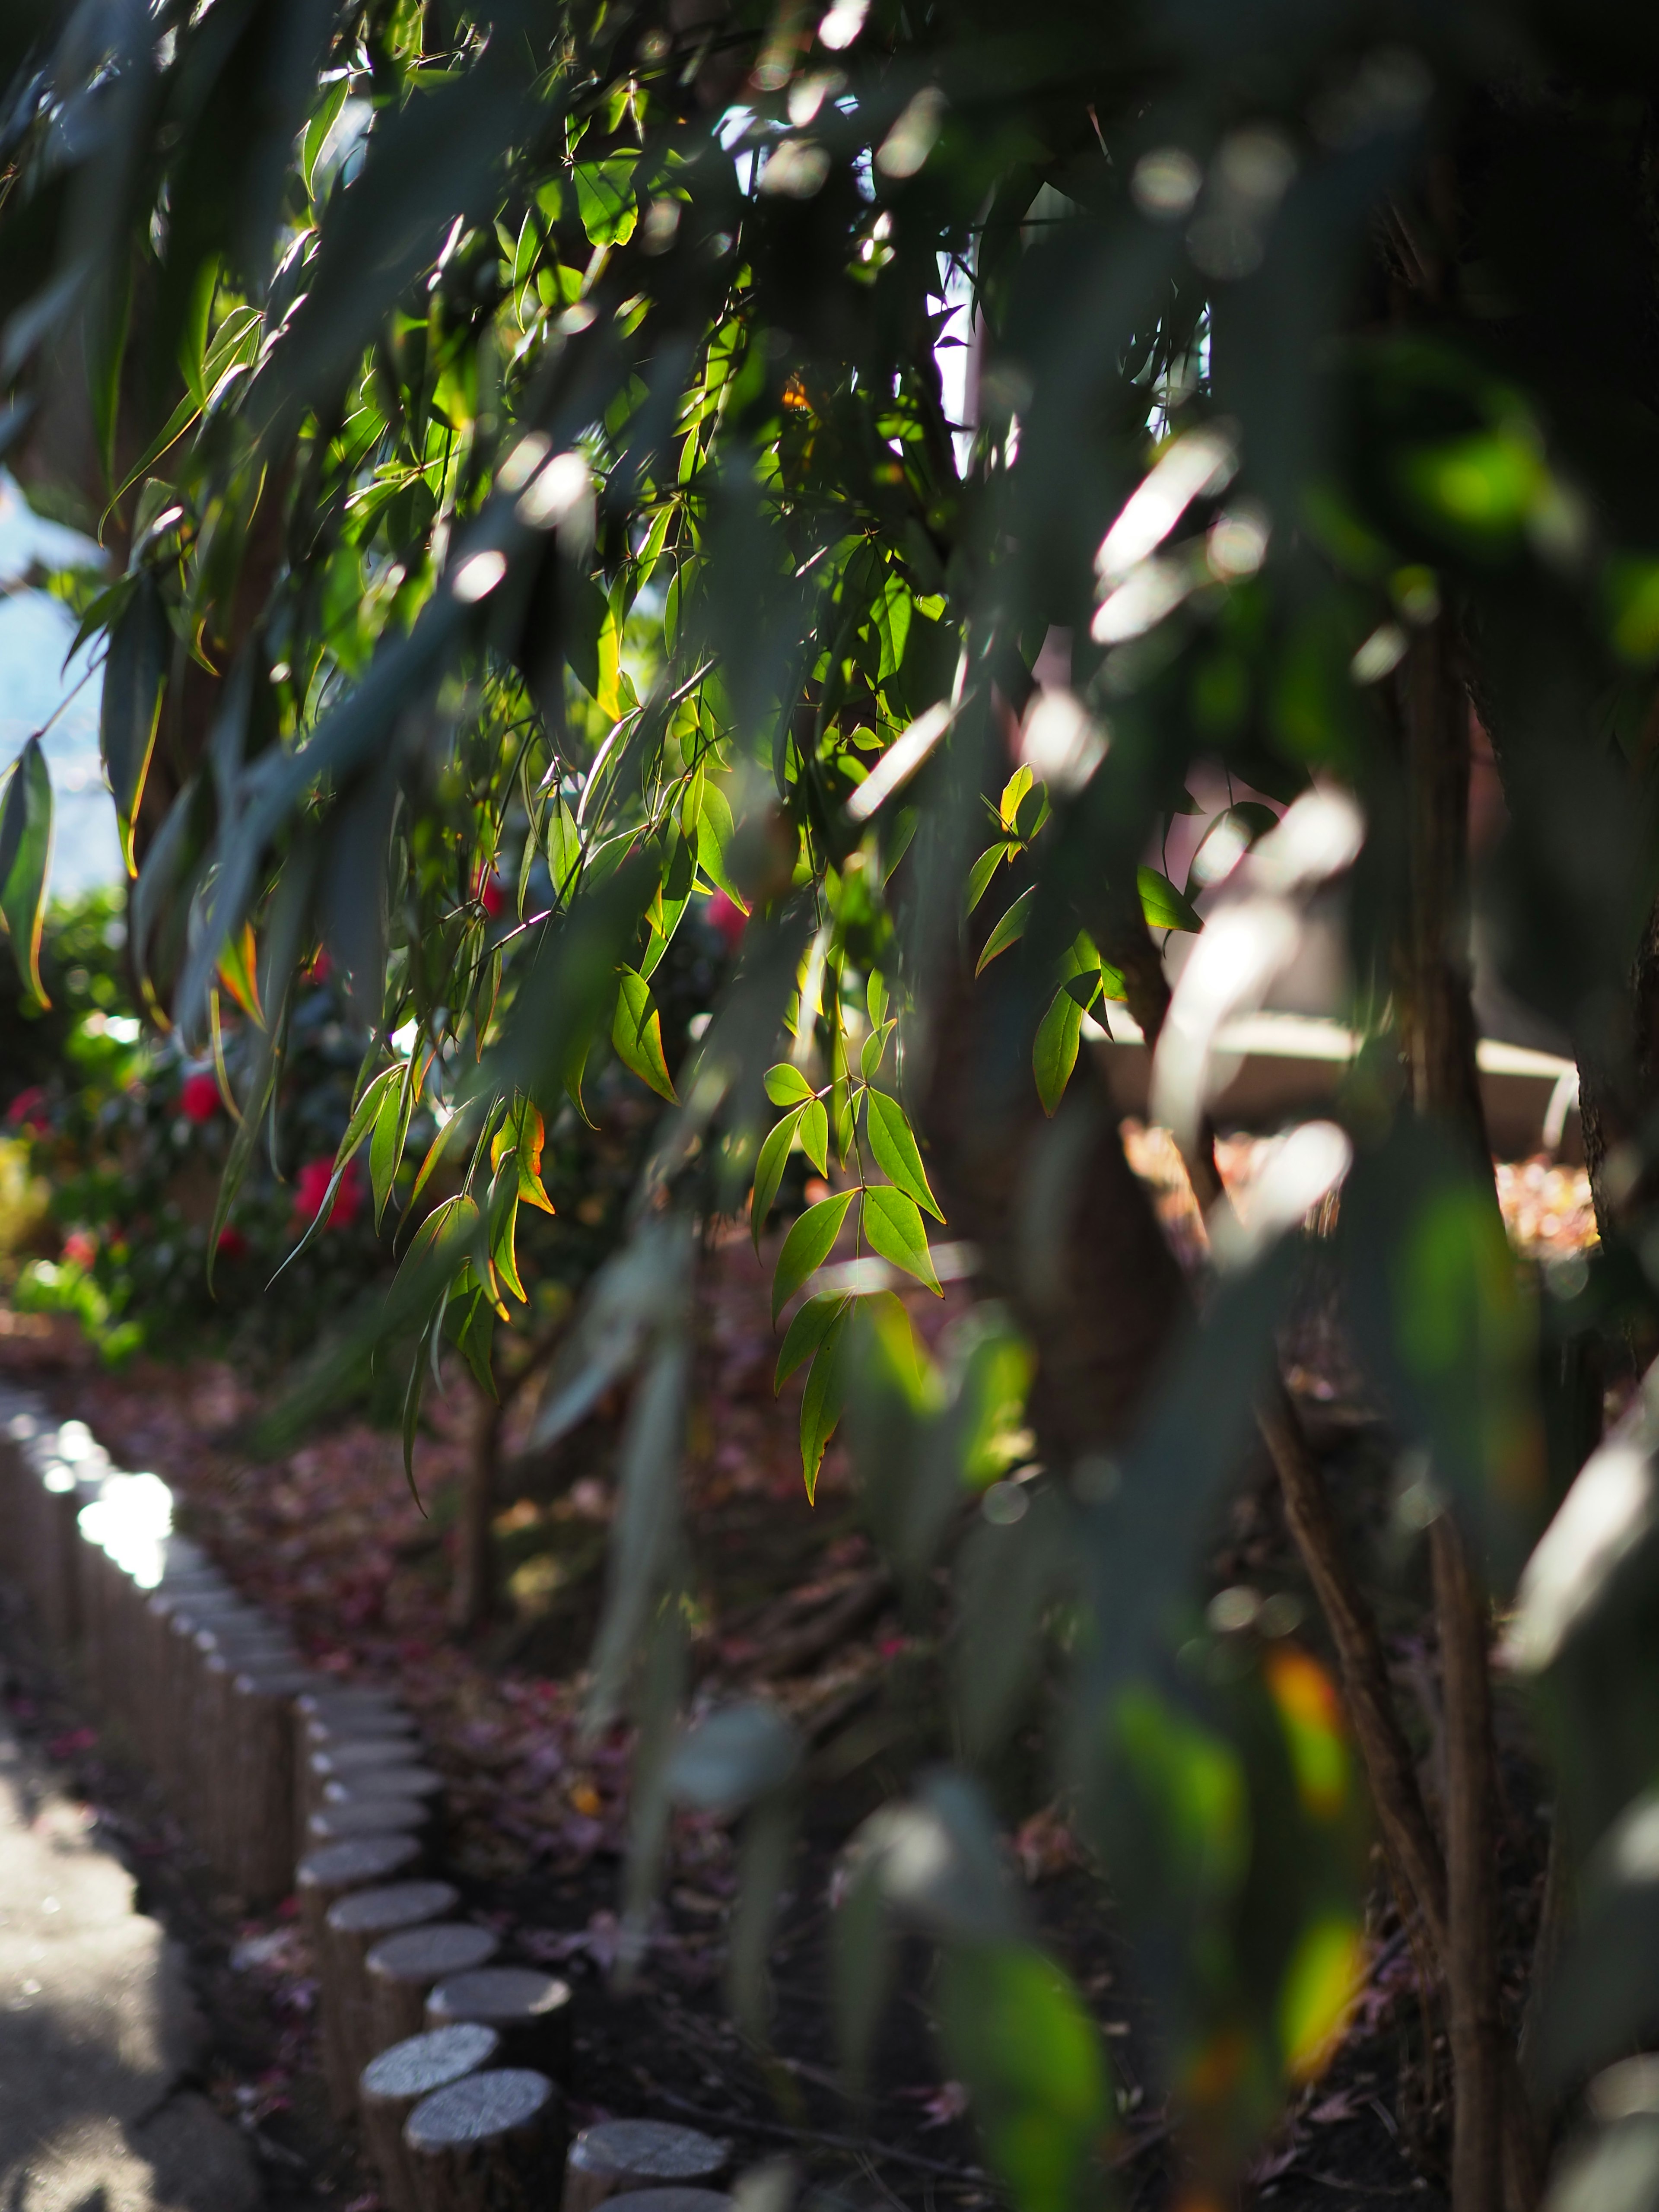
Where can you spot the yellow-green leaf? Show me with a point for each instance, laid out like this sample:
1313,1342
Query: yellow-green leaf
1164,906
893,1228
813,1135
786,1086
893,1142
637,1035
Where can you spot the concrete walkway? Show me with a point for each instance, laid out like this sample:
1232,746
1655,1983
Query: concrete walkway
97,2033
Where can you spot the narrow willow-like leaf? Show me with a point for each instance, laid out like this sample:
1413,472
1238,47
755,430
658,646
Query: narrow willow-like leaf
893,1228
26,824
386,1148
807,1246
636,1033
893,1142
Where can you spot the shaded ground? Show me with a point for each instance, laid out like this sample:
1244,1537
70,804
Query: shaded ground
790,1605
101,2041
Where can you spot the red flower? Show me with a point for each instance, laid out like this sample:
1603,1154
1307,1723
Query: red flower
28,1109
232,1245
81,1246
310,1188
321,968
727,919
492,895
198,1097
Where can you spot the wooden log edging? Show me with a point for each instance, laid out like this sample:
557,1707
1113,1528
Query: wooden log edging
286,1782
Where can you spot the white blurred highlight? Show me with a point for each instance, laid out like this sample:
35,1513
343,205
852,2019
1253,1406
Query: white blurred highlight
1059,742
1245,946
1202,462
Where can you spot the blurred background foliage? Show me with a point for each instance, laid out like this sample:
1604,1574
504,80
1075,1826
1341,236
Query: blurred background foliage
675,566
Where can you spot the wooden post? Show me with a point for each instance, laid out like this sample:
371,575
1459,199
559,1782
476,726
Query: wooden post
323,1877
393,2084
410,1781
403,1969
351,1759
351,1928
493,2143
262,1703
528,2010
616,2156
369,1816
673,2199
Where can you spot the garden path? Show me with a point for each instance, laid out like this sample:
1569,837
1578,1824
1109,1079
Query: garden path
98,2032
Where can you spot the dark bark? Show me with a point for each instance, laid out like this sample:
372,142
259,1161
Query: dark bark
1493,2159
1474,2027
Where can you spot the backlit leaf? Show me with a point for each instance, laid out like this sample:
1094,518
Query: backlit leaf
1053,1054
893,1228
1009,929
1164,906
637,1034
769,1170
807,1332
807,1246
893,1142
26,826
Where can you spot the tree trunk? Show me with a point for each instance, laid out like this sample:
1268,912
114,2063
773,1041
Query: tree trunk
1493,2159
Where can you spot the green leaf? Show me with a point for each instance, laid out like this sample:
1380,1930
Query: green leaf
564,849
806,1331
874,1049
1016,2034
365,1117
1008,931
385,1149
891,614
786,1086
604,199
823,1399
317,130
807,1246
893,1228
769,1170
637,1035
813,1135
714,831
875,995
1012,792
1163,905
25,824
893,1142
979,875
1053,1056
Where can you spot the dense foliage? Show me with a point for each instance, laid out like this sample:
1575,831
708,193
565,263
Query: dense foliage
542,533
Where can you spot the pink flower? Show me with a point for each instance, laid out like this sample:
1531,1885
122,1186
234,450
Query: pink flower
198,1097
310,1188
28,1109
232,1245
727,919
82,1247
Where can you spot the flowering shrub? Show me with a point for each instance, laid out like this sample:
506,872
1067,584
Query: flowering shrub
119,1137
